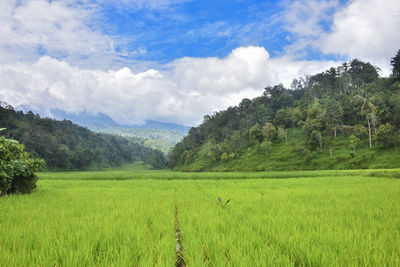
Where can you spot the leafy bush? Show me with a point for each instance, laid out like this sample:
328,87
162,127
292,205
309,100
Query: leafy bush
354,142
224,157
385,136
17,168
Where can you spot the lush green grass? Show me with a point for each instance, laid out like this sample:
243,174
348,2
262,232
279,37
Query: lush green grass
346,221
137,174
89,223
134,166
127,218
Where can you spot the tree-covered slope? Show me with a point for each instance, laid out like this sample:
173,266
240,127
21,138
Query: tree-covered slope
67,146
153,134
345,117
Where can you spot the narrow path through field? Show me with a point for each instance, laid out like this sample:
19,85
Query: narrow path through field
180,261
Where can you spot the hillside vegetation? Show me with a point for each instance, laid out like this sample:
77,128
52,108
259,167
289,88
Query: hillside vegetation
343,118
67,146
154,134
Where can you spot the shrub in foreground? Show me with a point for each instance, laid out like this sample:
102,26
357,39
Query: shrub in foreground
17,168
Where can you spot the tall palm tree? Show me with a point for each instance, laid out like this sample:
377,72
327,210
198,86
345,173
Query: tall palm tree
369,110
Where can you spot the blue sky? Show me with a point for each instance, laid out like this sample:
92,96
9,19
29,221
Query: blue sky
178,60
203,28
197,28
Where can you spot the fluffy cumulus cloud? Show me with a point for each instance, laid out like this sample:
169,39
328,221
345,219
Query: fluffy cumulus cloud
303,18
184,91
366,29
61,29
306,21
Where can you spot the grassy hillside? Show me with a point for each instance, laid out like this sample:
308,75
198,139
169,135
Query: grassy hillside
295,155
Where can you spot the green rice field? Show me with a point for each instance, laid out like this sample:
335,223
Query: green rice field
153,218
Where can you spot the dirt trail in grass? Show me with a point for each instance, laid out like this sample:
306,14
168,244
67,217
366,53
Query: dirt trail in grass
180,261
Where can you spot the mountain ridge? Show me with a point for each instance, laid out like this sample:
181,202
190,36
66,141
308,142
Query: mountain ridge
153,134
100,120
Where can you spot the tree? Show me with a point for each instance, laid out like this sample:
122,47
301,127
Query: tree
269,131
333,115
283,119
395,62
314,125
255,135
354,142
297,115
394,102
315,139
385,136
360,132
361,73
369,110
266,145
224,157
282,134
17,168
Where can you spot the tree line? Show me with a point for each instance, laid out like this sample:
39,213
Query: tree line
351,101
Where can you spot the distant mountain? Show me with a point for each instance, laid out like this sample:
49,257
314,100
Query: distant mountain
100,121
85,119
153,134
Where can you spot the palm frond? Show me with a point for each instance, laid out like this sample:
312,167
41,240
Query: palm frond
363,108
373,108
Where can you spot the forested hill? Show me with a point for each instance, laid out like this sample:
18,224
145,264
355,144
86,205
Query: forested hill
67,146
344,117
157,135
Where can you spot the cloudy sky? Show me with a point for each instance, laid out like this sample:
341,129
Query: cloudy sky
177,60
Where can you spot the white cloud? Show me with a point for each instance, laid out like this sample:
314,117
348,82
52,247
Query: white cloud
366,29
303,18
305,21
61,29
186,90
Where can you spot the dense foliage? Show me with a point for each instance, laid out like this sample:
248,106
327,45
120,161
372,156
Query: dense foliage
67,146
17,168
347,108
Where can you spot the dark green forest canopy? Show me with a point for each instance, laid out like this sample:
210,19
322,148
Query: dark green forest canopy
341,108
67,146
